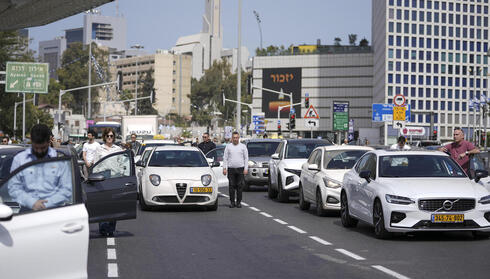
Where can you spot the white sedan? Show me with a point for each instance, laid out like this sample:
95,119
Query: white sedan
407,191
322,175
178,175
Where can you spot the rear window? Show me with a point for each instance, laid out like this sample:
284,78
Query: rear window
256,149
178,158
302,150
342,159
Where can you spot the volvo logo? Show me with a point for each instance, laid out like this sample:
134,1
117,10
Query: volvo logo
447,205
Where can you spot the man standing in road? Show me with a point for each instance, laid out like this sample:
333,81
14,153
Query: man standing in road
460,149
235,166
206,145
134,144
90,149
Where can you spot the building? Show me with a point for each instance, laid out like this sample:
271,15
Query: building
333,74
172,75
435,54
74,35
52,52
108,31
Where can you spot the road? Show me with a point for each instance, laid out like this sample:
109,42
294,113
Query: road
267,239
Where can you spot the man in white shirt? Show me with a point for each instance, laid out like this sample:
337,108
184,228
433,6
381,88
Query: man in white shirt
90,149
235,165
401,144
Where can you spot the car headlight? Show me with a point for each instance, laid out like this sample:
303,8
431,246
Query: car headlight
251,164
398,199
485,200
155,179
206,179
297,172
331,183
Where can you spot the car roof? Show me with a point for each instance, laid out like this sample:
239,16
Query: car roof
177,147
307,140
387,152
345,147
262,140
11,149
159,141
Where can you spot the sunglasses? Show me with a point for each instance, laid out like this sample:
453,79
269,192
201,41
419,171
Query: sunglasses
110,136
5,141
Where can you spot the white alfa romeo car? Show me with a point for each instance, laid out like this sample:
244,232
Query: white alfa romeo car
322,175
178,175
406,191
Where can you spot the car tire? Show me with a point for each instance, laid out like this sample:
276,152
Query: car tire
303,204
379,222
271,193
282,195
347,220
480,235
142,202
213,207
320,211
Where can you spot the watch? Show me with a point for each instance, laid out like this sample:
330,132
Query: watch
466,153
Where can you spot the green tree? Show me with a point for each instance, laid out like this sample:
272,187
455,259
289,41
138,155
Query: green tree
337,41
274,50
145,106
352,39
52,98
364,43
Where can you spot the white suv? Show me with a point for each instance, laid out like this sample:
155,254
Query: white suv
285,166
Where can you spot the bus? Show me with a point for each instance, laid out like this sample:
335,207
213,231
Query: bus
101,125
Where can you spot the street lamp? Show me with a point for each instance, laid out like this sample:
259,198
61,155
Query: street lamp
136,46
257,17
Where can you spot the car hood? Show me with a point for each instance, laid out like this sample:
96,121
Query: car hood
260,159
293,163
337,175
179,173
434,187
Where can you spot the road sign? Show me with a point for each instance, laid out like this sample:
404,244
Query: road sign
27,77
398,124
413,131
399,113
340,116
259,123
399,100
312,123
311,113
384,113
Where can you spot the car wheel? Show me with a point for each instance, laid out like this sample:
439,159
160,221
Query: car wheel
213,207
480,235
303,205
271,193
320,211
379,221
347,220
283,195
142,203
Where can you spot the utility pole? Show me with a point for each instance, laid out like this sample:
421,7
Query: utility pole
137,46
89,113
239,69
257,17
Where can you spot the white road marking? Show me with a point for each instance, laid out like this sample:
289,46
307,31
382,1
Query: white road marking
111,241
245,204
319,240
280,221
254,208
296,229
112,270
111,254
265,214
223,195
389,272
350,254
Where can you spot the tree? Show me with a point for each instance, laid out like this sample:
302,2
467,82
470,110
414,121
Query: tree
337,41
364,43
145,106
274,50
352,39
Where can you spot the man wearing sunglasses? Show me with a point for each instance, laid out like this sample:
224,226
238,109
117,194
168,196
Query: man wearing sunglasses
206,145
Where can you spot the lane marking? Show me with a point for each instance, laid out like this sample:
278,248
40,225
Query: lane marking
280,221
245,204
265,214
111,241
112,270
111,254
389,272
330,258
350,254
297,229
319,240
254,208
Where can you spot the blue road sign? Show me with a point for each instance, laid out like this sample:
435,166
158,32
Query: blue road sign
384,112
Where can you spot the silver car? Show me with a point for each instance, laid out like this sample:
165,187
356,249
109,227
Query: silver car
259,154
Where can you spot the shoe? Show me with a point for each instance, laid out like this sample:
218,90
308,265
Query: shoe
232,205
239,205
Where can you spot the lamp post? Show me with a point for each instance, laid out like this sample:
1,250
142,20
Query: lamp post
136,46
257,17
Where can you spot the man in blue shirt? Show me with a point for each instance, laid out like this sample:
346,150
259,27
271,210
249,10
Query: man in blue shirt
44,185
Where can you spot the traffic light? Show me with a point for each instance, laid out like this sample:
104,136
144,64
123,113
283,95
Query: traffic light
434,135
278,128
292,121
307,100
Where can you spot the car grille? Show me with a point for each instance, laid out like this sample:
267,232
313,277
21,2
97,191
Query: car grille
437,205
196,199
265,164
181,189
166,199
427,224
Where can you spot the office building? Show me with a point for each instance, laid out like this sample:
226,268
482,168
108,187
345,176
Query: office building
51,52
108,31
74,35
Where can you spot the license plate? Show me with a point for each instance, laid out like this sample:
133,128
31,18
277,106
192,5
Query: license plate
447,218
266,171
201,189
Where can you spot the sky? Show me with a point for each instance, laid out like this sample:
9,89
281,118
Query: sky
157,24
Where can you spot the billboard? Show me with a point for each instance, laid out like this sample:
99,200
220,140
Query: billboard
287,80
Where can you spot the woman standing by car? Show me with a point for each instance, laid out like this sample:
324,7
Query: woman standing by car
108,136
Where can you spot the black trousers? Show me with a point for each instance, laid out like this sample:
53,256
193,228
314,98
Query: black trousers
236,181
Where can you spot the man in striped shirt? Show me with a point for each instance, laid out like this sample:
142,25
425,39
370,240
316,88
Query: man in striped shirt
235,166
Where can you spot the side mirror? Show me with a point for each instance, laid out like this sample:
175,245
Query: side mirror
313,167
215,164
275,156
366,174
479,174
6,212
95,177
140,163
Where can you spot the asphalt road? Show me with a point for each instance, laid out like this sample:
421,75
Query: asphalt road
268,239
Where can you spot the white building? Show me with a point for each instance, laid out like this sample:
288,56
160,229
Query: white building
108,31
432,53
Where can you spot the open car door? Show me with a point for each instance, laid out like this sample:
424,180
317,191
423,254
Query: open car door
111,188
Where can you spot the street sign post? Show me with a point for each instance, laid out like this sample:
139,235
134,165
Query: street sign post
312,123
312,114
399,100
259,123
340,116
399,113
384,113
27,77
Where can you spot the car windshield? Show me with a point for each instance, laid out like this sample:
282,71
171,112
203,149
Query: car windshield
256,149
419,166
302,150
341,159
144,146
178,158
5,163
